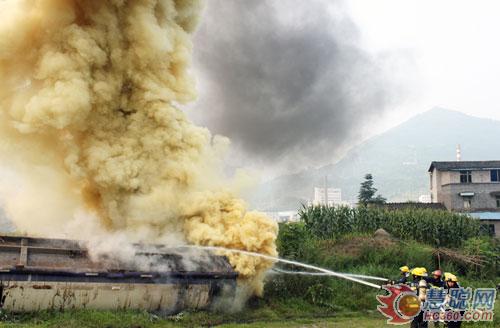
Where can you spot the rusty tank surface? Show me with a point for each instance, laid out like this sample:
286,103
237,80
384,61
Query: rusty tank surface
39,274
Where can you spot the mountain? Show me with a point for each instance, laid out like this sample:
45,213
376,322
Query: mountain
398,160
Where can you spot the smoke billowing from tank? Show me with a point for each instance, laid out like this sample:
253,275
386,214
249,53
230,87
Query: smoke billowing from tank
89,117
302,84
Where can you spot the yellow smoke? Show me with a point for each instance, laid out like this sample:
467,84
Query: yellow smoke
89,92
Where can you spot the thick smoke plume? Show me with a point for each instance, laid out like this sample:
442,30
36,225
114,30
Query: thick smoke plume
302,84
89,116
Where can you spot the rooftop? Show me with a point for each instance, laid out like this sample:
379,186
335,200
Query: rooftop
412,205
71,257
464,165
490,216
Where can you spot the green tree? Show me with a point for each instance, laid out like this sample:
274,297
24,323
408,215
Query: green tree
367,192
379,199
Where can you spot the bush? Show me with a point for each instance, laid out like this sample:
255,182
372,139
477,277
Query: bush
489,250
294,241
320,294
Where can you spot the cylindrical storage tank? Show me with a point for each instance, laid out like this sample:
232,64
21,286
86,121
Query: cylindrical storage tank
40,274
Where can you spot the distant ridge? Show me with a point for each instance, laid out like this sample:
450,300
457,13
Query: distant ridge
398,160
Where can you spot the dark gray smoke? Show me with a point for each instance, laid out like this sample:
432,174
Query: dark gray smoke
286,79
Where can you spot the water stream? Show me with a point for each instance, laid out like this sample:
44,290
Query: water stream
354,278
306,273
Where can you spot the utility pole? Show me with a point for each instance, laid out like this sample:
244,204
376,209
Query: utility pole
459,153
326,190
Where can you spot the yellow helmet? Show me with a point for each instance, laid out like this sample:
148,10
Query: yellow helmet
450,277
420,272
404,269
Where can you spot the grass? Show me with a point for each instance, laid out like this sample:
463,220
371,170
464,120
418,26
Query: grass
131,319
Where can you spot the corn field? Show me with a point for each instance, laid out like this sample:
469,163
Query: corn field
438,228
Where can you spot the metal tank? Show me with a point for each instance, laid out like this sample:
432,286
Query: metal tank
39,274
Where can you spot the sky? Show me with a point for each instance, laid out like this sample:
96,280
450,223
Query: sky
453,43
295,84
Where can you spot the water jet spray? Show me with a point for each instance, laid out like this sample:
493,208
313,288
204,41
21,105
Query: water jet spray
321,274
349,277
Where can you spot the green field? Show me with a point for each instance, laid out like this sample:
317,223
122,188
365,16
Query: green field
263,317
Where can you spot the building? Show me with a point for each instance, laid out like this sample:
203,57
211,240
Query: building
333,195
468,186
425,199
283,216
411,206
45,274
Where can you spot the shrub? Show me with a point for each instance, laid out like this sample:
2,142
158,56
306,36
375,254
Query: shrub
489,250
294,240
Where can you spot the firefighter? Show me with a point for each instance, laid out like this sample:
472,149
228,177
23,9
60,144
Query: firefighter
405,275
419,285
436,280
451,281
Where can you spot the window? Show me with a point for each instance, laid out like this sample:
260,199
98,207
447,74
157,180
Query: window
465,176
495,175
467,199
498,201
487,229
467,203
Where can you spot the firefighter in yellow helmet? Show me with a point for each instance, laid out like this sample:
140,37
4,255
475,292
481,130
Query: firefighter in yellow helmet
419,285
405,275
451,281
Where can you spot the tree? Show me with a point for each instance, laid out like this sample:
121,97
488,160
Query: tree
379,199
367,192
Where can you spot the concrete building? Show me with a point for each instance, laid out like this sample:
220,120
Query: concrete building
283,216
333,195
468,186
425,199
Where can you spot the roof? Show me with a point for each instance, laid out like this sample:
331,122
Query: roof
491,216
72,257
413,205
464,165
